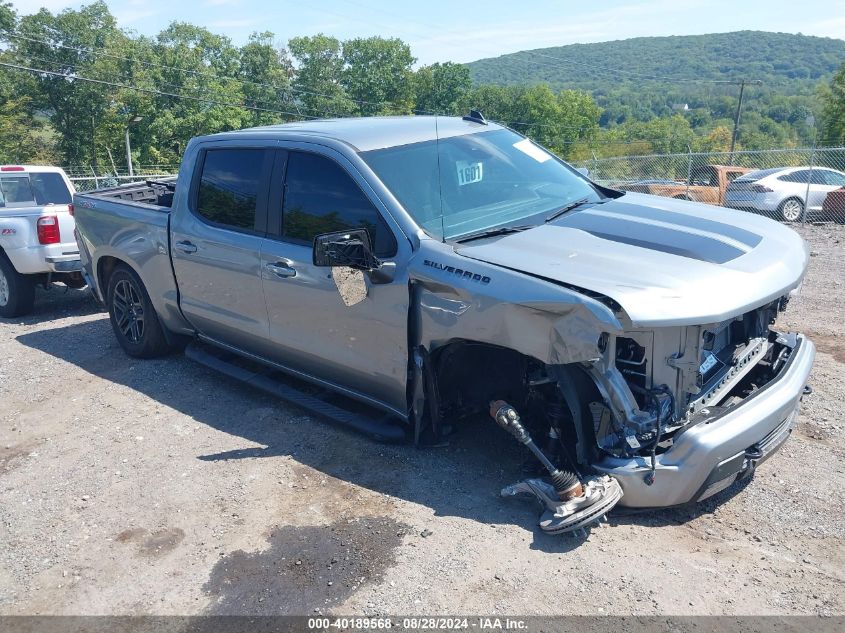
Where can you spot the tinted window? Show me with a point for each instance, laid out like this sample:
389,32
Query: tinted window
831,178
834,178
50,189
321,197
796,176
818,177
228,189
705,177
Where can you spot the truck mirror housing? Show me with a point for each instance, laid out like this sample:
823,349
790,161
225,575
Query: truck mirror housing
345,248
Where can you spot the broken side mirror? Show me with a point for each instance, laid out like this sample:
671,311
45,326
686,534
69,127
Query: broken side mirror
345,248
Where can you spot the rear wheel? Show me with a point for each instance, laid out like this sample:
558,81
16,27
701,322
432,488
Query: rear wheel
133,318
17,292
791,209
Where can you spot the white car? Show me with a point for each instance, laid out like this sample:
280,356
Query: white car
781,193
37,243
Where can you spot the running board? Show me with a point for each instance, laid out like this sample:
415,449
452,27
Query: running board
382,430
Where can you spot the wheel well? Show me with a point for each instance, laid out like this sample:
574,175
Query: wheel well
105,268
470,374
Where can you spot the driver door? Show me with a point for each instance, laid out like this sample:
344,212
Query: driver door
361,348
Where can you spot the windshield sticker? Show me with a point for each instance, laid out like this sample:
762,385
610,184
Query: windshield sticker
468,172
537,153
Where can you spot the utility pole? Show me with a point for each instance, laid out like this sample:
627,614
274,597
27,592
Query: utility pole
135,118
94,143
735,134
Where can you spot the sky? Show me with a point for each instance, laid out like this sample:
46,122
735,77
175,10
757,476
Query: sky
449,30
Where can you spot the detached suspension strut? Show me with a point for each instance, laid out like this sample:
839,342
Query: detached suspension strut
568,503
566,483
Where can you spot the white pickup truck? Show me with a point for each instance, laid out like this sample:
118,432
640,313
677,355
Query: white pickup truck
37,245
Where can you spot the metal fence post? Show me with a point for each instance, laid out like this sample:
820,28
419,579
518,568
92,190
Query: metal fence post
94,173
809,180
689,170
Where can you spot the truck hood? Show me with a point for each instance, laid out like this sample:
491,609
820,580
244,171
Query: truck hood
665,261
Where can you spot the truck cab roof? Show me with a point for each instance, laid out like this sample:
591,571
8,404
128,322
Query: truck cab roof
363,134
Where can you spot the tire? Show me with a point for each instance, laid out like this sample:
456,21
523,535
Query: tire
682,197
133,317
791,210
17,292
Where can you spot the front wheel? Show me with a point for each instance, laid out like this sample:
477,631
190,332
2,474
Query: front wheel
133,318
792,209
17,292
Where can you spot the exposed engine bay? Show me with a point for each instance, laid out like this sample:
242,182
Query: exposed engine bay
646,390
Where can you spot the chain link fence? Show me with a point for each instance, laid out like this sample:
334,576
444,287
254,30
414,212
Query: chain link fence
790,185
88,179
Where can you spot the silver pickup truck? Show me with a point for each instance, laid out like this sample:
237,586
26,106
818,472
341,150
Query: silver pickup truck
439,268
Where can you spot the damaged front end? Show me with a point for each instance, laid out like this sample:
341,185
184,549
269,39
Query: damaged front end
643,417
686,411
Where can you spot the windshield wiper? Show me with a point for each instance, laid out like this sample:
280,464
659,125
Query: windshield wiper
568,207
502,230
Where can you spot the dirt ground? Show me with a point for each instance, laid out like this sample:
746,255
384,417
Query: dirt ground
160,487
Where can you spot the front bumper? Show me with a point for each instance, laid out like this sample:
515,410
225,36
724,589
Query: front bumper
711,455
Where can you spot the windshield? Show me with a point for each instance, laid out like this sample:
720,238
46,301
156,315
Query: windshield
478,182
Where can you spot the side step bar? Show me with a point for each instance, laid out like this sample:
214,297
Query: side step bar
382,430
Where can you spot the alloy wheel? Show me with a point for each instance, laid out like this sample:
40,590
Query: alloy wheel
128,311
792,210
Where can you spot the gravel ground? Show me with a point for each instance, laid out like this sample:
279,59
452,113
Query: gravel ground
160,487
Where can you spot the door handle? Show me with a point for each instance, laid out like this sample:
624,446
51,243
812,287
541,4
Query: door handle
186,247
281,270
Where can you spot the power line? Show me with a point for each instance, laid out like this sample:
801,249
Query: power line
245,82
42,71
197,73
163,83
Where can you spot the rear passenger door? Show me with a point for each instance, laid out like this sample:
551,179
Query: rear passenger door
361,347
216,244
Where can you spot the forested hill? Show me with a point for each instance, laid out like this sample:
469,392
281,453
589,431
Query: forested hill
775,58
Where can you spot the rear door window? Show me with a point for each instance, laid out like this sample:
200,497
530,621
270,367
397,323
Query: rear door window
818,177
320,197
801,176
50,188
16,191
230,187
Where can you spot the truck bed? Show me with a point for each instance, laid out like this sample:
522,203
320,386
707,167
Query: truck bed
156,193
130,223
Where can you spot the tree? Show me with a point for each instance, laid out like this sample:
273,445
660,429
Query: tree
73,106
318,76
833,114
266,72
202,66
440,88
377,75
